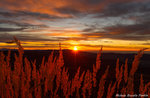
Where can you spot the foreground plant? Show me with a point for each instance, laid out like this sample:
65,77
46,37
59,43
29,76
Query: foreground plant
51,79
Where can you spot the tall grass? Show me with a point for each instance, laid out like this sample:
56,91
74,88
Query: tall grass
51,78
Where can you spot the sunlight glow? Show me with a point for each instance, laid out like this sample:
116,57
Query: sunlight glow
75,48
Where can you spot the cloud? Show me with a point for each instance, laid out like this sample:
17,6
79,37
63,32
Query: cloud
19,26
28,14
137,31
56,9
41,6
6,37
11,29
50,6
64,35
128,8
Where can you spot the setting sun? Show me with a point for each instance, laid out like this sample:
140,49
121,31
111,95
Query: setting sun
75,48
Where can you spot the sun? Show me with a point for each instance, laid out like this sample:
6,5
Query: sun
75,48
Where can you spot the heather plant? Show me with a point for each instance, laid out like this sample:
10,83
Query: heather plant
51,78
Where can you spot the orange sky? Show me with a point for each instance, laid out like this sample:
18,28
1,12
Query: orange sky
117,25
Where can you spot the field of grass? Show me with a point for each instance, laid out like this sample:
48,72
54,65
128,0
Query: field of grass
25,79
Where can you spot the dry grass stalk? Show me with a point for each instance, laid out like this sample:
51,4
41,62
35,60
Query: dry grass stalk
119,79
75,81
97,67
102,83
126,71
65,83
117,69
111,90
135,63
87,86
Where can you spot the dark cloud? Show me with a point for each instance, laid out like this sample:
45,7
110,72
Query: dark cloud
129,37
51,8
19,26
139,31
94,2
128,8
22,24
94,28
6,37
11,29
87,7
37,15
89,30
67,9
27,14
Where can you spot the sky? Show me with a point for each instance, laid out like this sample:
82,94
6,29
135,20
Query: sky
117,25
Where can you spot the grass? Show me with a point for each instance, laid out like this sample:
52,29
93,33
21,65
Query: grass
51,78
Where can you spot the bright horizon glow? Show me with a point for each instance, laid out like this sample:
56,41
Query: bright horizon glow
76,45
75,48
